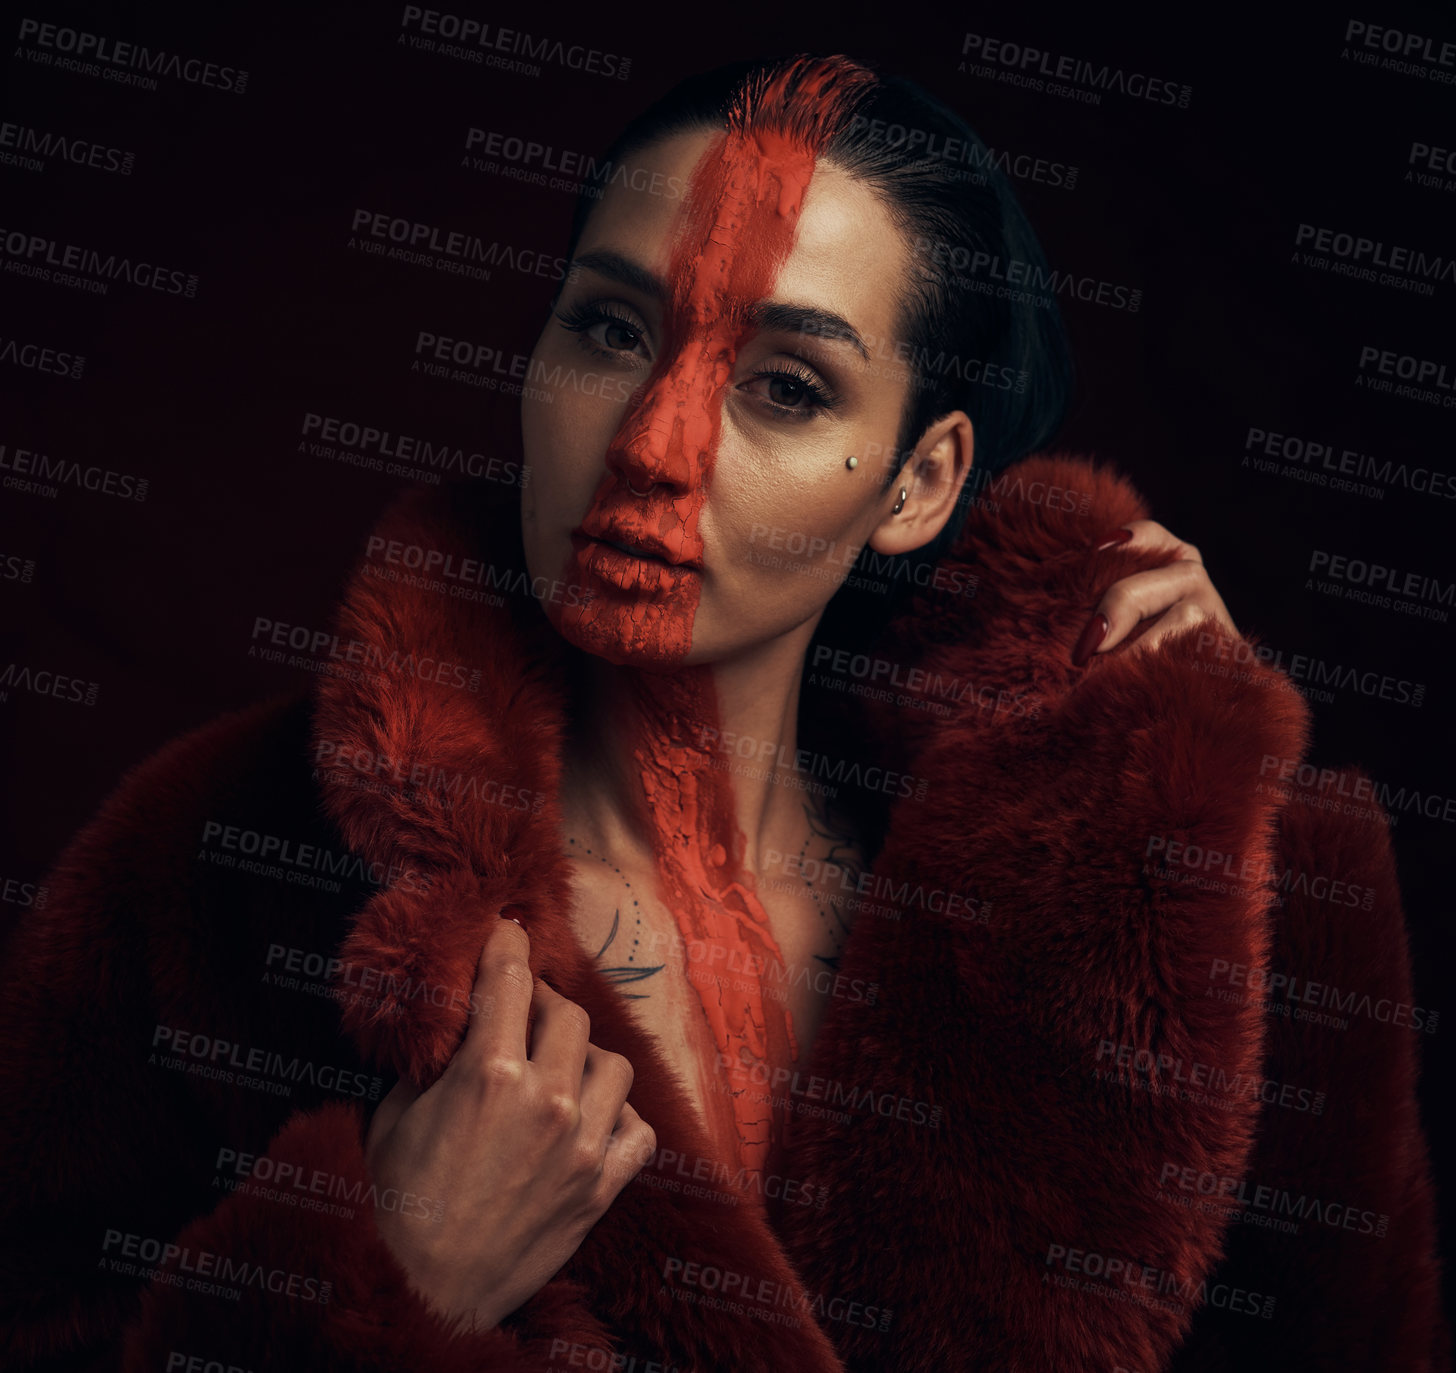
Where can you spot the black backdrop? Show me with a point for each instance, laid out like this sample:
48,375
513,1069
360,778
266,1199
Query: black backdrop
201,388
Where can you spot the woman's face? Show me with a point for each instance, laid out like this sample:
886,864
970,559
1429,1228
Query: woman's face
735,436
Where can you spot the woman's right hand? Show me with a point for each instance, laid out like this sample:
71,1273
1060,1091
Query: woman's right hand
526,1142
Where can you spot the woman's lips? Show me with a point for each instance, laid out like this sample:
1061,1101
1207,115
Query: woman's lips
629,570
633,552
639,533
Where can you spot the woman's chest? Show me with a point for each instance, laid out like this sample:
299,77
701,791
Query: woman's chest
733,999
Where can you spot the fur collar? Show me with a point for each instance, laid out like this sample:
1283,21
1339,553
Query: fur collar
443,751
459,776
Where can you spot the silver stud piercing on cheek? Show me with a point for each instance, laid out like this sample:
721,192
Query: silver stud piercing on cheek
900,504
851,462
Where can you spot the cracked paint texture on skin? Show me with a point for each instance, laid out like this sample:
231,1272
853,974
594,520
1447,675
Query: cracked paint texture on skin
738,226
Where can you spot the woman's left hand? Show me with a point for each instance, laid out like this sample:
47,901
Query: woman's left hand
1176,595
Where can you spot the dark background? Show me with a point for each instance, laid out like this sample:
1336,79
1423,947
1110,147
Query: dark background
155,601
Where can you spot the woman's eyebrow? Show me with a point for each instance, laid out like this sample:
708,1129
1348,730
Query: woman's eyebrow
785,318
779,316
616,267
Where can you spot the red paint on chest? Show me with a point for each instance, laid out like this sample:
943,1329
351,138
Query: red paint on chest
742,212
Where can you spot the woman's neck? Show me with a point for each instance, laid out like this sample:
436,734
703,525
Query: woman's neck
657,777
706,752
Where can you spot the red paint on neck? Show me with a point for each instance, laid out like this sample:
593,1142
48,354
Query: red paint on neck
742,212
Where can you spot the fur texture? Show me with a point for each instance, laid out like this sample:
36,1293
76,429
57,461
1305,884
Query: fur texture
1054,1136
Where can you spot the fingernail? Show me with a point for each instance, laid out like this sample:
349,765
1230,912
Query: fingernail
1115,538
1093,635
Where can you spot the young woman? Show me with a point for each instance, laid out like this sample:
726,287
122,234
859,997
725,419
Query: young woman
732,903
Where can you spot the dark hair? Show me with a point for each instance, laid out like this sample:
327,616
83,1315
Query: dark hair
953,211
949,209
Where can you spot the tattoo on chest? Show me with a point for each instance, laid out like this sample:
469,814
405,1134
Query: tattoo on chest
842,855
624,972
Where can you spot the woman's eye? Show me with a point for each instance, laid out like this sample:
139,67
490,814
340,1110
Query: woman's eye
790,394
614,334
604,332
788,391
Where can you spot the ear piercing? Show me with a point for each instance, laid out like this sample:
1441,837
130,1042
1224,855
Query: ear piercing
852,462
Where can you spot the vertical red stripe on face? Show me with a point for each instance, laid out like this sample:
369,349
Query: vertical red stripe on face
742,212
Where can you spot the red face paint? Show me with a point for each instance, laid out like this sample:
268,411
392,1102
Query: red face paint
742,212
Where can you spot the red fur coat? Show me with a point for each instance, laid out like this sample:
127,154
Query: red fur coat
1120,1074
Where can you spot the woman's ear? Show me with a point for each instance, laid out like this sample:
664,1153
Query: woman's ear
932,481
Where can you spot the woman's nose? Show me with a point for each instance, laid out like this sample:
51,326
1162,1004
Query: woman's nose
670,430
